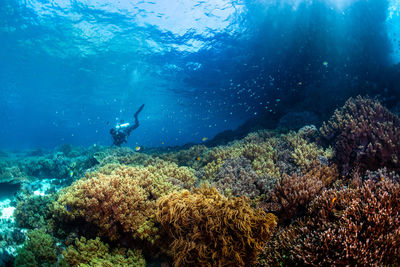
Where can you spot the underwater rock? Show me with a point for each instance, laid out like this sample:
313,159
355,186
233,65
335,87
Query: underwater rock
11,173
8,189
3,154
5,258
296,120
251,125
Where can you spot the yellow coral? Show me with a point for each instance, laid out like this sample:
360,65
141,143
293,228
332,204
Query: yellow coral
185,175
306,153
257,147
209,229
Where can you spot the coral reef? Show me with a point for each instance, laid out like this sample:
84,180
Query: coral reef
291,195
208,229
305,153
256,147
366,136
93,252
38,250
192,157
121,200
236,177
33,212
215,206
10,173
344,227
184,176
270,154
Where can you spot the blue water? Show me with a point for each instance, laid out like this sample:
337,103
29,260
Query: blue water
70,70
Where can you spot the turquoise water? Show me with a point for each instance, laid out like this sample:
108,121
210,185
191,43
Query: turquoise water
71,70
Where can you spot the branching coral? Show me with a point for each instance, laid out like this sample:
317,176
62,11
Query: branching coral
305,153
269,154
184,176
256,147
33,211
161,169
366,136
208,229
346,227
93,252
292,194
38,250
237,178
119,202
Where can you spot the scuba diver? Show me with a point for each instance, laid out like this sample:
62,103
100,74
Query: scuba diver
121,132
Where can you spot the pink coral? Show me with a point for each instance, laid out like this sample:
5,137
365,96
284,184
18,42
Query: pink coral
366,136
345,227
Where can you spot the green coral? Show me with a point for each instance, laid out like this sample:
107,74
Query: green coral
305,153
38,250
33,211
9,172
93,252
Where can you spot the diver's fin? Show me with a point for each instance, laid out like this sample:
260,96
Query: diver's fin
136,116
138,111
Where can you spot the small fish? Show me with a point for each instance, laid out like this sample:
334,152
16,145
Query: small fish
382,178
71,173
162,143
300,83
204,139
325,63
198,158
333,200
137,148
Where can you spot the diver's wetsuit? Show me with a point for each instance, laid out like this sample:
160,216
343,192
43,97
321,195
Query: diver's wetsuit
121,132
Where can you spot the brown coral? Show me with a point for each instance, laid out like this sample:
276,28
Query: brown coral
366,136
118,201
292,194
208,229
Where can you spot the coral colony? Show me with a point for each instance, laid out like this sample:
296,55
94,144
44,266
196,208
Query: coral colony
317,197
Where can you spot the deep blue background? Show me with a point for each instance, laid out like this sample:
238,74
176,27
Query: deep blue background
69,70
